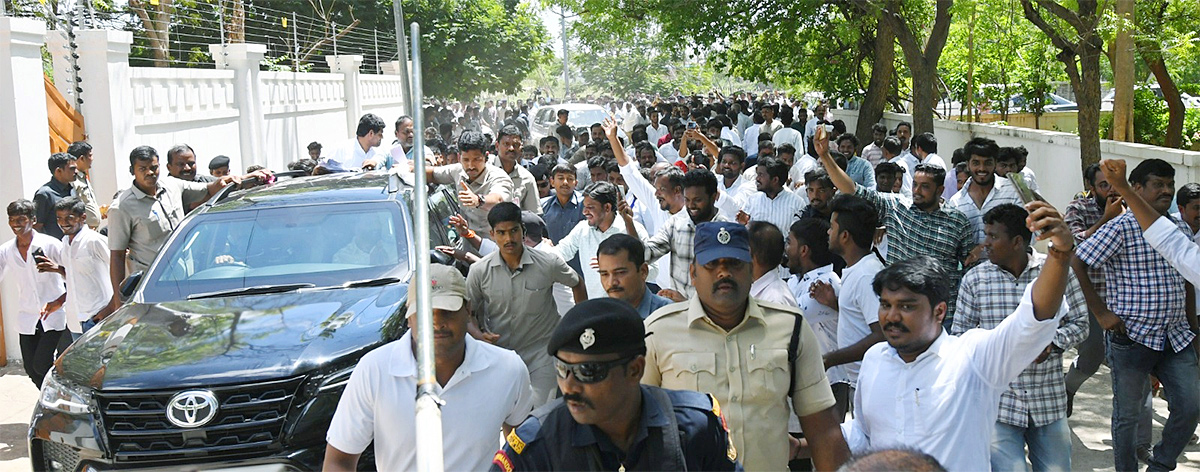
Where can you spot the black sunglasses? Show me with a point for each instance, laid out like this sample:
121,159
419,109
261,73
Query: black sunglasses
588,372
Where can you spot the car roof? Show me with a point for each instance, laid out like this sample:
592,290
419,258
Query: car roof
342,187
579,106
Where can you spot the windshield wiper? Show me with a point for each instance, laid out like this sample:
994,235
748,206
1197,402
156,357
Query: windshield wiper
370,282
259,290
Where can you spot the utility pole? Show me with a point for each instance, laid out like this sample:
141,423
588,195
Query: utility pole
402,55
562,18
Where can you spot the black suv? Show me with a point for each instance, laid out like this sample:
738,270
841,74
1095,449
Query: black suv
235,346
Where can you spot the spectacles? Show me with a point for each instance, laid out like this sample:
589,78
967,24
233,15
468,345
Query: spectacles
588,372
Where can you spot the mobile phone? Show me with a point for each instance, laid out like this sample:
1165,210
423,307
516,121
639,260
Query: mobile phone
38,253
692,125
1027,194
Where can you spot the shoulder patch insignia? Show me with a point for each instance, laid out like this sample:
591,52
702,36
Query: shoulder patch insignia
515,442
501,460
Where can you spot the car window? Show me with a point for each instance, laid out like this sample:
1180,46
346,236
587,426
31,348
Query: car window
321,244
587,117
442,205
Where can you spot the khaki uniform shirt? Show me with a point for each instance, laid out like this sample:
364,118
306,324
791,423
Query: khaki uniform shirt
745,368
141,223
83,190
519,305
493,180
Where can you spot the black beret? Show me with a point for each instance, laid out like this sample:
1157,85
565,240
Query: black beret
599,326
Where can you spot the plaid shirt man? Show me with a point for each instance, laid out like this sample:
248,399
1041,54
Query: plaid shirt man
944,234
989,294
676,237
1143,289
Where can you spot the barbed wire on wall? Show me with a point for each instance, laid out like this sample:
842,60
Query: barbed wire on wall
292,39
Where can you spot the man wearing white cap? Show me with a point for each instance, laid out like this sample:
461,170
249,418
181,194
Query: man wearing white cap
485,388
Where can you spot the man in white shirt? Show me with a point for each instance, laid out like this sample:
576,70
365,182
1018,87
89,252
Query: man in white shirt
925,150
40,295
766,254
666,189
852,226
810,127
772,203
787,134
84,265
873,152
938,393
655,130
1012,159
401,153
750,136
810,262
485,389
984,190
770,124
359,152
602,218
670,149
735,190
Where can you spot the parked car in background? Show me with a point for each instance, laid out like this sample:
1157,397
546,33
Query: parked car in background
583,115
1053,103
235,345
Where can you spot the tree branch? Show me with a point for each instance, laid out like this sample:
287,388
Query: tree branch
941,31
1066,15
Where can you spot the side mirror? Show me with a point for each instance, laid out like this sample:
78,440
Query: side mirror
437,257
129,284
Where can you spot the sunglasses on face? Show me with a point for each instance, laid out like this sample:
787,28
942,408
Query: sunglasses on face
588,372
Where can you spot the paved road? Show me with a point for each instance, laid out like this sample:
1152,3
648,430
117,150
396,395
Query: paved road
1091,447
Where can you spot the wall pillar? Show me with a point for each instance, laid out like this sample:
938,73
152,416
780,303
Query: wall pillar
107,107
24,137
245,60
348,65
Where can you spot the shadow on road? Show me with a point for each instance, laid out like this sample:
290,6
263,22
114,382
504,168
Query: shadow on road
12,441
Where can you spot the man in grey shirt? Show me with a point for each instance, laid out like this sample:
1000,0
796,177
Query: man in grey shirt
512,296
143,215
479,185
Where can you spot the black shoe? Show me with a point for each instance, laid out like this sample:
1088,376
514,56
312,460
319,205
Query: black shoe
1143,453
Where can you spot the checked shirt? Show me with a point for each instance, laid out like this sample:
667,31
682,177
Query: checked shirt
677,237
988,295
944,234
1143,289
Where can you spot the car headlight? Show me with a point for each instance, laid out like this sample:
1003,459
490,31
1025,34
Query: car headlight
60,397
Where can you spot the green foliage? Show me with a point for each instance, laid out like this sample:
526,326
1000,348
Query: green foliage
1150,117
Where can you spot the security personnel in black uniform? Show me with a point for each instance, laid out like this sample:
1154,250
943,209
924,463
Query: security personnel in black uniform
607,420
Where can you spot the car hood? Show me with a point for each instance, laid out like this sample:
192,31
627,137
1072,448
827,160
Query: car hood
229,340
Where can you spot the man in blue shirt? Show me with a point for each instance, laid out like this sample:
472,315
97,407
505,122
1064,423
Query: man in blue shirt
62,169
623,272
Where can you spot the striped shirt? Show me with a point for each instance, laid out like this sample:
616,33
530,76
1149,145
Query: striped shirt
780,211
677,238
989,294
944,234
1143,289
1002,192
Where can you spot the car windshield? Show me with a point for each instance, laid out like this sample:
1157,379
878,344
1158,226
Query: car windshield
322,245
587,117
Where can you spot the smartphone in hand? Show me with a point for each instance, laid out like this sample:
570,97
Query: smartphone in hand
1027,194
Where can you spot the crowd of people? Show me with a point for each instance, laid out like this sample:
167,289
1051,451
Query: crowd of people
835,301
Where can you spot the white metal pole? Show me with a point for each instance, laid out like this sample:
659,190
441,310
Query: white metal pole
402,55
428,408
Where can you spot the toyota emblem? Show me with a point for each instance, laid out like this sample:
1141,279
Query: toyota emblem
192,408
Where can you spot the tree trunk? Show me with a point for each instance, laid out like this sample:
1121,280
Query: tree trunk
1175,109
235,21
883,66
1122,64
922,61
1088,96
156,20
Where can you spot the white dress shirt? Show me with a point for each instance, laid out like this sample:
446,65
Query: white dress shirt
945,403
823,319
654,134
348,157
85,259
750,139
780,211
585,241
800,166
859,307
771,288
34,289
653,216
790,136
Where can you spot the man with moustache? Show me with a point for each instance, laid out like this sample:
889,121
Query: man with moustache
752,355
606,420
485,389
666,188
623,271
508,156
512,296
939,393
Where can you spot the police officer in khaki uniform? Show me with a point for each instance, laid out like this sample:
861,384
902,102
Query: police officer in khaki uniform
751,355
606,420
